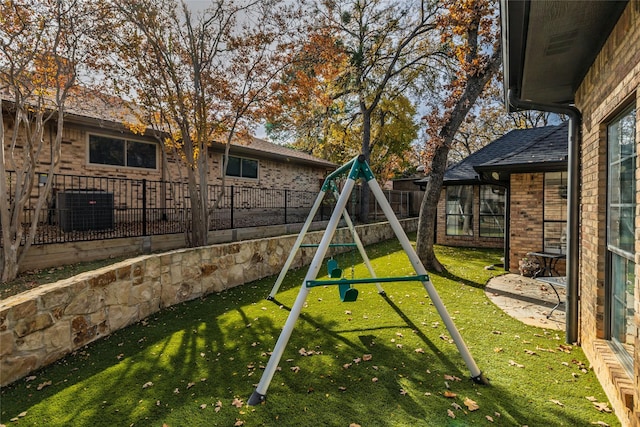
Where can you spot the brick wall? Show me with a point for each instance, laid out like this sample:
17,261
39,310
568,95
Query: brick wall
74,161
610,85
474,241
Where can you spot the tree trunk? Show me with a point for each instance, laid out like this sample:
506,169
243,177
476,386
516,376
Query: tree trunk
365,195
427,223
429,210
9,264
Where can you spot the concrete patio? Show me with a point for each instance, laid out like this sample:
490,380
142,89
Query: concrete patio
528,300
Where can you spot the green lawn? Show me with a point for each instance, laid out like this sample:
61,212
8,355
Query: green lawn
374,362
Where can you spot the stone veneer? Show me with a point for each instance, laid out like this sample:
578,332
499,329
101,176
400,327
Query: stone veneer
42,325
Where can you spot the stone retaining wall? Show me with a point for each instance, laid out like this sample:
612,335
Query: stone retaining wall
42,325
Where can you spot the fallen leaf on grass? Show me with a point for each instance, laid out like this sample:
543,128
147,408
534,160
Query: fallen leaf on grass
471,404
591,398
451,378
354,425
374,379
516,364
557,402
530,352
457,406
237,402
497,349
189,385
48,383
295,369
218,406
419,350
489,418
449,394
565,348
443,337
30,378
600,423
367,357
602,406
238,423
203,406
450,413
403,392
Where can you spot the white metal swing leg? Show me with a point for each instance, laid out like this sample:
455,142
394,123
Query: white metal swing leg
476,374
259,395
296,245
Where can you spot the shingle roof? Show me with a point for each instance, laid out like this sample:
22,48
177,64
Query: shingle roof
265,149
548,149
88,106
517,150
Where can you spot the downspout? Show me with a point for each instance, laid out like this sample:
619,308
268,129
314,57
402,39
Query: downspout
573,203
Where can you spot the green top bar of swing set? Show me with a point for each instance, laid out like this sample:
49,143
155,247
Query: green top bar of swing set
419,278
357,167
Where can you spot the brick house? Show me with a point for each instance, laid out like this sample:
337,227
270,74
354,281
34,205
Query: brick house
98,141
492,197
582,58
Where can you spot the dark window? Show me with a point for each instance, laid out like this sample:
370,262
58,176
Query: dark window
242,168
492,211
141,155
104,150
555,212
459,210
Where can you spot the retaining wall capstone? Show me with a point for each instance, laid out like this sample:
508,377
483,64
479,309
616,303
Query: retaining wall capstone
44,324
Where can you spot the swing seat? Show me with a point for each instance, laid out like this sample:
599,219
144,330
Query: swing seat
332,269
347,293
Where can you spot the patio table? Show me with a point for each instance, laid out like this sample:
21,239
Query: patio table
548,262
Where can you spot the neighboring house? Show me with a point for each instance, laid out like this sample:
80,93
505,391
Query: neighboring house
100,139
532,165
582,58
492,197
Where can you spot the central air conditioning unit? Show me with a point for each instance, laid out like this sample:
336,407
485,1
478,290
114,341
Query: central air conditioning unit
81,210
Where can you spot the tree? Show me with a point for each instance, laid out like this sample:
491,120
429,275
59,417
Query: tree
198,77
41,46
382,47
487,121
471,31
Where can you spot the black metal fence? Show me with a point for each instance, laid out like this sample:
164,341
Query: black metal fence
82,208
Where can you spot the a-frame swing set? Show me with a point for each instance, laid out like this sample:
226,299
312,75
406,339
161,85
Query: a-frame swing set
355,169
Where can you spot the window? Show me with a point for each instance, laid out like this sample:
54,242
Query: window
242,168
621,207
492,211
555,213
106,150
459,210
